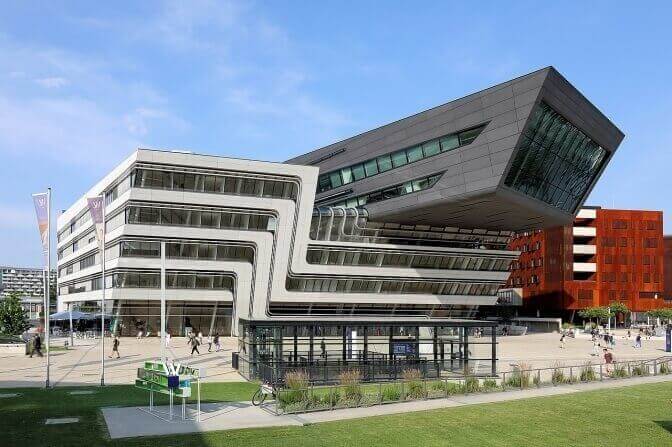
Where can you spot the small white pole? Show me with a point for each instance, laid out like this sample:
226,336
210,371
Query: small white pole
47,298
72,340
163,301
102,301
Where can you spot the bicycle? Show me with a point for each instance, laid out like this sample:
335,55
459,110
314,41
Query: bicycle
264,391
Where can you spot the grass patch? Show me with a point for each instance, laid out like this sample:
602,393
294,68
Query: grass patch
642,412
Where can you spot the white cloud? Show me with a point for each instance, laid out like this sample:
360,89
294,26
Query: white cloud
52,82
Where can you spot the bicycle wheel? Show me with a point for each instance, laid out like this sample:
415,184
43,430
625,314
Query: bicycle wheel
258,398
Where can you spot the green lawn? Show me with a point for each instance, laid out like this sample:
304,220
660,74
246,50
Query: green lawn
629,416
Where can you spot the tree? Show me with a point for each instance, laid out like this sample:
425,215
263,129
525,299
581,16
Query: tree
13,319
598,313
664,313
618,308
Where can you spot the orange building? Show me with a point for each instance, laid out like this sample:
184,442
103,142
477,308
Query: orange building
605,256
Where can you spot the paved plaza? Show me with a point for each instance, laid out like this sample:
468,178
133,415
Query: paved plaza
81,365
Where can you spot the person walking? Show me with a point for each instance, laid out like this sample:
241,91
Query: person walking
37,346
115,347
596,347
215,340
194,345
638,341
562,341
210,340
608,360
168,339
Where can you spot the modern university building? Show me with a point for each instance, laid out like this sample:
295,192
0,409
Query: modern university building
382,249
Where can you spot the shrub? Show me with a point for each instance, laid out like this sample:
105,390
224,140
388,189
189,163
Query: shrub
557,376
350,381
640,370
453,388
489,385
664,368
520,377
296,391
587,373
391,393
414,387
536,380
436,389
619,371
471,385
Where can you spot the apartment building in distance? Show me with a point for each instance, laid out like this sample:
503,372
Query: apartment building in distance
29,284
605,256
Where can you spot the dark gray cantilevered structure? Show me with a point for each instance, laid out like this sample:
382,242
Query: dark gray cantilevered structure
523,154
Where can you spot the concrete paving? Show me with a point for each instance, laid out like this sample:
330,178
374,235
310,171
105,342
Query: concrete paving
134,422
80,365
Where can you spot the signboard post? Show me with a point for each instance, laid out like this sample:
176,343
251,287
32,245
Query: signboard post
668,338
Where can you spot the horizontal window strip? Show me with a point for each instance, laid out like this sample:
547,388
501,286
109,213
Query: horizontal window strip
387,162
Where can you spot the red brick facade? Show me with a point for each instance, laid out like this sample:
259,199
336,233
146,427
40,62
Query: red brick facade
617,255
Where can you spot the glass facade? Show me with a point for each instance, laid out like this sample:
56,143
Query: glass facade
182,250
390,286
221,184
391,192
383,163
152,280
199,218
423,261
130,317
555,162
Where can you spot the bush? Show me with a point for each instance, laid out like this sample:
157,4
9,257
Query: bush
453,388
640,370
489,385
664,368
587,373
520,378
391,393
471,385
436,389
415,389
296,392
536,380
557,376
350,381
619,371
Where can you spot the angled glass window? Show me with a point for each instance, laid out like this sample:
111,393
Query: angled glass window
371,168
346,174
555,162
358,172
415,154
383,163
449,143
399,159
391,192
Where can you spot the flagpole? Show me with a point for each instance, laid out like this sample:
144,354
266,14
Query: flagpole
102,302
47,282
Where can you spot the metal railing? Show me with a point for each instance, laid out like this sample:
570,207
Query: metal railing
309,398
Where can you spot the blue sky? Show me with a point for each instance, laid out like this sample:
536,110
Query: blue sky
84,83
